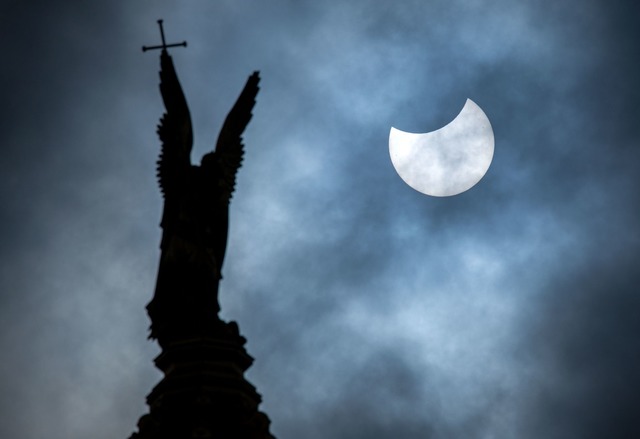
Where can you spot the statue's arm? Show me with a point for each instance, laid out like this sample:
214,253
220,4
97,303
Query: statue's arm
229,147
174,130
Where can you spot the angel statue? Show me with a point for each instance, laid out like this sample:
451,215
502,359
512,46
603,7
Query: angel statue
195,218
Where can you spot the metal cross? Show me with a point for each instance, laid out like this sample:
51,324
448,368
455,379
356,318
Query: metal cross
164,45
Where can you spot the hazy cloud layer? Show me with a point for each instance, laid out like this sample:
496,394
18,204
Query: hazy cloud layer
372,311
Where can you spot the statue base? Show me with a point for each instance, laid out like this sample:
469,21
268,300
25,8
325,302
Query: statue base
204,393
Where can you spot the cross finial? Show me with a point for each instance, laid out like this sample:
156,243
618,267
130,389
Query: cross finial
164,45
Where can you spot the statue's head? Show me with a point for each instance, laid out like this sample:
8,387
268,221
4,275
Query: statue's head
208,160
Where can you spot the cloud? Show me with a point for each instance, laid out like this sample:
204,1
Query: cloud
584,351
371,310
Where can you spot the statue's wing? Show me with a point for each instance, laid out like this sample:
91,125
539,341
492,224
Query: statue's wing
229,148
174,130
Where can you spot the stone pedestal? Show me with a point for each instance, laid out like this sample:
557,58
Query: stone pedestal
204,393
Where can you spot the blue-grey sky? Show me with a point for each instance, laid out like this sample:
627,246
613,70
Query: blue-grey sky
373,311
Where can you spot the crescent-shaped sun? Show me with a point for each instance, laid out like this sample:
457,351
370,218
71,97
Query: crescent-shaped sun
447,161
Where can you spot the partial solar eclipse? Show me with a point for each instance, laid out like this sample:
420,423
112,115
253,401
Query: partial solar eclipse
447,161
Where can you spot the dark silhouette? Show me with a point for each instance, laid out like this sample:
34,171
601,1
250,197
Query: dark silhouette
163,46
196,210
204,392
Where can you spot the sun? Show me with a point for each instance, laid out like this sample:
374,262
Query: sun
447,161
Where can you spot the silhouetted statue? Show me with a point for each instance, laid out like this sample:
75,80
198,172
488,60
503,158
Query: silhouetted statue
203,393
196,210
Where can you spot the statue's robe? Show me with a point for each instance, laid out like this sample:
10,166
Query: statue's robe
195,219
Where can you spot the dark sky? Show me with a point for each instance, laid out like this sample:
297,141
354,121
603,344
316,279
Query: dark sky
373,311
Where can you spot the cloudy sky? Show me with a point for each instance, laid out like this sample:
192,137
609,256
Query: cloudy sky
373,311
